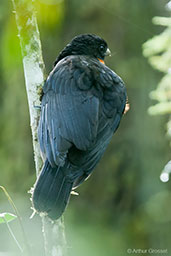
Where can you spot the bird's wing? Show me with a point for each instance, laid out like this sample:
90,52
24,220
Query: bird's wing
69,112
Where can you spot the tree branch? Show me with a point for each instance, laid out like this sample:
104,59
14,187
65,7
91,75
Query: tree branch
34,72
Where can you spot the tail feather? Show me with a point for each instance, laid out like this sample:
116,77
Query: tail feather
52,191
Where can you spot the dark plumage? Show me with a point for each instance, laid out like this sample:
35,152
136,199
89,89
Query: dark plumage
82,105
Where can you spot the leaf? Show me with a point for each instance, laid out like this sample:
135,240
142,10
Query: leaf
161,108
163,21
7,217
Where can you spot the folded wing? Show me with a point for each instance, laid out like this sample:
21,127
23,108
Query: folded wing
69,113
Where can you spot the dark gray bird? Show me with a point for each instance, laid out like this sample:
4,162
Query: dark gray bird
82,105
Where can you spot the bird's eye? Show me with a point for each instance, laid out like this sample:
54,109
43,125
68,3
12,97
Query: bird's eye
102,47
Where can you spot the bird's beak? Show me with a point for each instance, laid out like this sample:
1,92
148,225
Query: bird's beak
108,52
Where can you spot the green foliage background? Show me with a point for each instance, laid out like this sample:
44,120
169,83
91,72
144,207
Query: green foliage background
124,204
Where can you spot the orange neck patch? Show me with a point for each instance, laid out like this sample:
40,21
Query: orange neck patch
102,61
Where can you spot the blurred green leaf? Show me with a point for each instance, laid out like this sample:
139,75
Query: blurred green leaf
163,92
158,52
50,14
163,21
156,44
160,108
7,217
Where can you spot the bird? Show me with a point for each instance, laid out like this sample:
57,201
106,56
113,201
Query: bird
82,104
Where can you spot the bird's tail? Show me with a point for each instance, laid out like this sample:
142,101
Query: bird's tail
52,191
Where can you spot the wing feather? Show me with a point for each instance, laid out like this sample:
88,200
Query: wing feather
69,115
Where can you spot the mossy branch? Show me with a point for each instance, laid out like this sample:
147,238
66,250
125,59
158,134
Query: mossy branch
34,72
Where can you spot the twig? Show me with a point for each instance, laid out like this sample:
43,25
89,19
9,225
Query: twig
13,236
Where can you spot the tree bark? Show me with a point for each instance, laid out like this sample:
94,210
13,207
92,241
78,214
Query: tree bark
34,72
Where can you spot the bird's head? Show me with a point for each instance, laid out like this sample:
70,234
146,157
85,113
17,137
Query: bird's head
86,44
